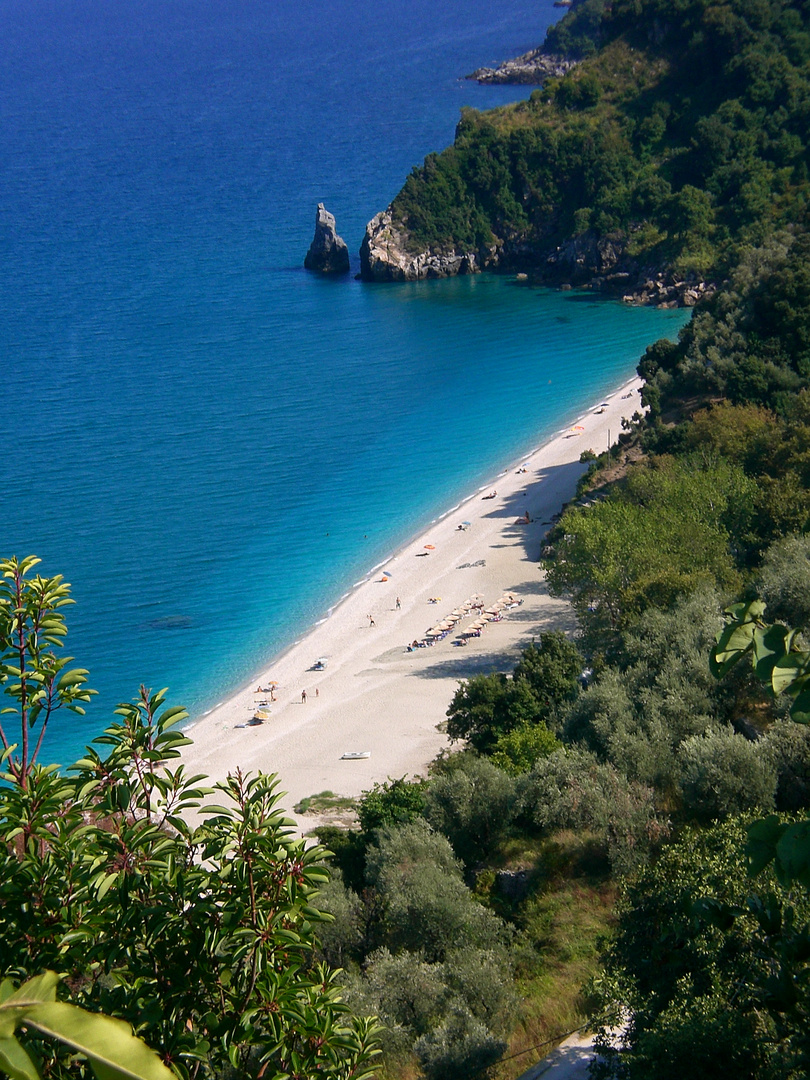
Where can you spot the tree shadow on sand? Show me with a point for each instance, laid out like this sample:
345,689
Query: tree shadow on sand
545,490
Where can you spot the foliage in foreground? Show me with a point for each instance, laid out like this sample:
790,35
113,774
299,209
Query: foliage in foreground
698,967
201,937
111,1049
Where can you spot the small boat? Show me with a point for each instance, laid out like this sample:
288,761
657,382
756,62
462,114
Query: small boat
355,755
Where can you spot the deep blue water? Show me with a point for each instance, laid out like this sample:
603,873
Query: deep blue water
211,444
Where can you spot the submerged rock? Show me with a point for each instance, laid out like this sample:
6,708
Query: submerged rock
328,253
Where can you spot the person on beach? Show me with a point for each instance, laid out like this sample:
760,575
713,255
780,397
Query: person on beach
371,621
399,603
303,697
317,693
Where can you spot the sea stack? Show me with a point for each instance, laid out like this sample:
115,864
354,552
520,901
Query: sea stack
327,253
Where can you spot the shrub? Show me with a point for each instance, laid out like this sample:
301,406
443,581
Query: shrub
461,1047
427,907
723,773
784,580
472,804
518,750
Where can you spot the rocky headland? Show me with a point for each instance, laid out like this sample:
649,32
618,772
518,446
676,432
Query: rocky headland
328,253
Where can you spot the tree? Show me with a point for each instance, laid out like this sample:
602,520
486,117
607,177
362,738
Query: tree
692,962
488,706
552,669
391,803
427,906
32,675
784,580
667,536
724,773
471,802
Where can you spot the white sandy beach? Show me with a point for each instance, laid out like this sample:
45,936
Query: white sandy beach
374,695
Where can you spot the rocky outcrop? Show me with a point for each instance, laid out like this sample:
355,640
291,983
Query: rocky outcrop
384,256
531,69
328,253
665,291
587,261
585,257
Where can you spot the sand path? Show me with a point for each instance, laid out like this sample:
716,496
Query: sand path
374,695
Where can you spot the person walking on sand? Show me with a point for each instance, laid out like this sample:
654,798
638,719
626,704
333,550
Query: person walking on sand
371,621
399,603
303,697
316,692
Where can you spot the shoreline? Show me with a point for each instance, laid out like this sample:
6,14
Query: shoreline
373,695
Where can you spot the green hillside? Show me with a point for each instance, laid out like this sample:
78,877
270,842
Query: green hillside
680,139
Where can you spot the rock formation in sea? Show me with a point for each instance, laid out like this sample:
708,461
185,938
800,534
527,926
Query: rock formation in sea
328,253
384,256
531,69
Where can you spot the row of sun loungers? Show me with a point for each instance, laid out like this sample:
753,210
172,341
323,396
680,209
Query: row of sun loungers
473,606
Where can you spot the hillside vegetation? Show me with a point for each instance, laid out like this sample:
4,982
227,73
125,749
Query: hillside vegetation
678,142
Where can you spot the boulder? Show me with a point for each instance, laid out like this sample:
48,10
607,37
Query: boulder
327,253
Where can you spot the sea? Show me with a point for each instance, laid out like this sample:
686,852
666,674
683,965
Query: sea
212,445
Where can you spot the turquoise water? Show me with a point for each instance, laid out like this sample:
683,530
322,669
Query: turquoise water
211,444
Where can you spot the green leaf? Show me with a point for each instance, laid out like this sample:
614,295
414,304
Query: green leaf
763,836
107,883
800,709
16,1062
786,671
109,1044
771,644
793,854
42,988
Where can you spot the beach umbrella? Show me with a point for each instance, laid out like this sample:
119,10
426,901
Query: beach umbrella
430,547
577,427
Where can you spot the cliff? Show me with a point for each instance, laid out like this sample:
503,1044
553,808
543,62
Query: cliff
384,255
